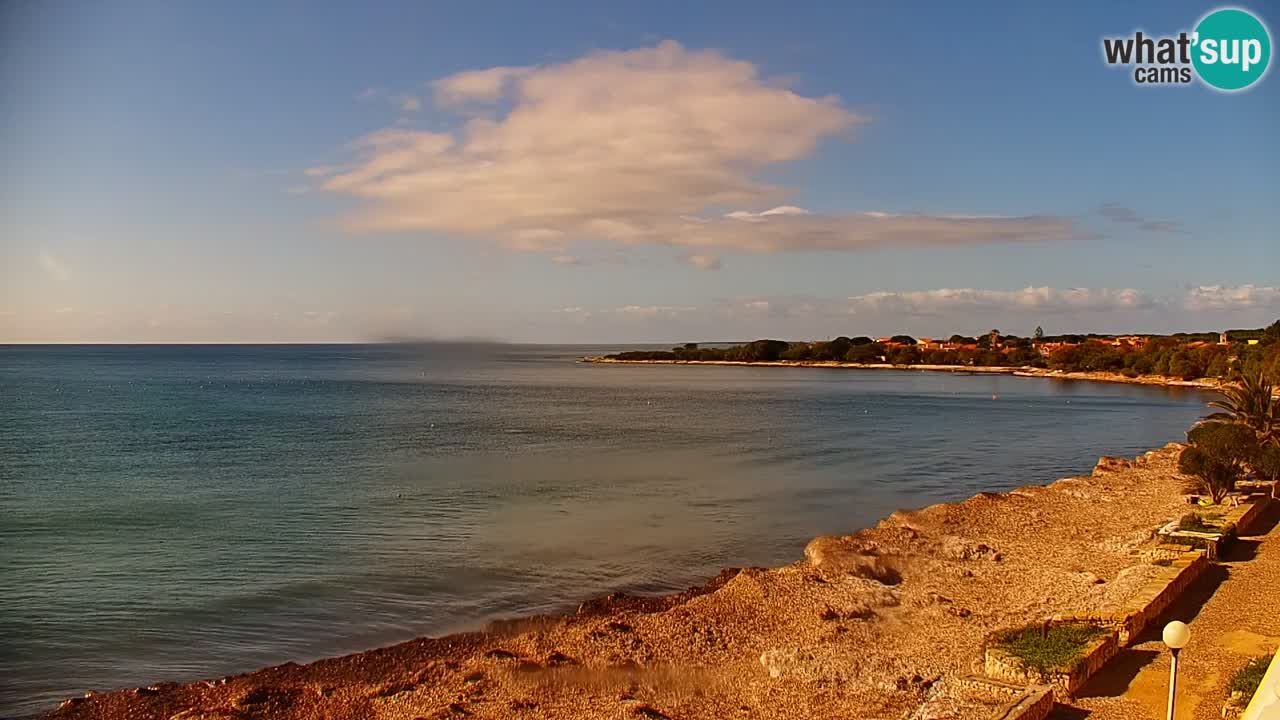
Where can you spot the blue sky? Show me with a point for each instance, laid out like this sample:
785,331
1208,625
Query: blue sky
292,172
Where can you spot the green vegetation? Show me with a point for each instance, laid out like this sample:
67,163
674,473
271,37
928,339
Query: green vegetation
1248,678
1245,430
1193,522
1267,464
1055,648
1216,457
1184,355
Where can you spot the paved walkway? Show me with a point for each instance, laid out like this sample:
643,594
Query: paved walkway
1234,614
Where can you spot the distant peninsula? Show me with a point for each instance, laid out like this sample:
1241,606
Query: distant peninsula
1203,359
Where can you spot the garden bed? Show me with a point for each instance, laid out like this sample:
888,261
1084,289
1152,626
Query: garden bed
1062,655
1205,529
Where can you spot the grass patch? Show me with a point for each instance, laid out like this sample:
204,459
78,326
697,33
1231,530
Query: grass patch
1162,562
1058,649
1248,678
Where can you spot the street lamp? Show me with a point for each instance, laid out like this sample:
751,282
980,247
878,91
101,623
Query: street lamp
1176,635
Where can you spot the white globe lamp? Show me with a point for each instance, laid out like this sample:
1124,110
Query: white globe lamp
1176,635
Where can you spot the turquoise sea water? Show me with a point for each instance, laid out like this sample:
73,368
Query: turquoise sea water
178,512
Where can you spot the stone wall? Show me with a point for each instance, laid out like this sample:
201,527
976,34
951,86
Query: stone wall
1035,705
1247,517
1144,606
1024,702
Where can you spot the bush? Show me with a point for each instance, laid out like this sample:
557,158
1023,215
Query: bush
1267,464
1192,522
1248,678
1216,457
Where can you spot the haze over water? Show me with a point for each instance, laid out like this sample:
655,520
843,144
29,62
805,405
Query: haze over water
177,512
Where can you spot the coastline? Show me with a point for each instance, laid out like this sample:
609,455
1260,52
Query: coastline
863,626
1100,376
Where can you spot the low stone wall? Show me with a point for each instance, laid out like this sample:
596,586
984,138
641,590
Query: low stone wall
1035,705
1025,702
1185,567
1247,517
1003,665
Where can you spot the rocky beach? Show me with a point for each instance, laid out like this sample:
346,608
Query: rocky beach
882,623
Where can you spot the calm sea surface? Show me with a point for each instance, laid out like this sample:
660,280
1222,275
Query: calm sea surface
172,513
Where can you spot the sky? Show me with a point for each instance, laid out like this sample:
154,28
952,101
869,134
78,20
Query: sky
587,172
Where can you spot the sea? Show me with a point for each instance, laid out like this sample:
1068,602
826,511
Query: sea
171,513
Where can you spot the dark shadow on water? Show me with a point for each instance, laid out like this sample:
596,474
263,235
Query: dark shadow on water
1068,712
1187,607
1120,671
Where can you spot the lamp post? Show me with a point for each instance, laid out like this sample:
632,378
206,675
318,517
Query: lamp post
1176,635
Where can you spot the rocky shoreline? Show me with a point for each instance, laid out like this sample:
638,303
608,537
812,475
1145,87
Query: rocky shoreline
1114,377
881,623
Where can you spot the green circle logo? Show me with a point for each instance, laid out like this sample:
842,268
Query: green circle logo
1232,49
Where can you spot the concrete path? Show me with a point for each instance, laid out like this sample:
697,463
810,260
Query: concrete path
1234,614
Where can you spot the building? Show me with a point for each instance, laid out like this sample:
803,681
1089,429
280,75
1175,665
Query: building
1048,348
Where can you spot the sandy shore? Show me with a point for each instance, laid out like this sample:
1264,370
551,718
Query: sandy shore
1158,380
877,624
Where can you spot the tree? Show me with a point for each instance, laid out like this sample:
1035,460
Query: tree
962,340
865,353
1271,333
839,347
1267,464
1216,457
903,339
1250,403
798,352
1039,334
765,350
905,355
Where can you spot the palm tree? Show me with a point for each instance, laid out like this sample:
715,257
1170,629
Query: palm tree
1251,402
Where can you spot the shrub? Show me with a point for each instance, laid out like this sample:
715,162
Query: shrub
1248,678
1216,456
1192,522
1267,464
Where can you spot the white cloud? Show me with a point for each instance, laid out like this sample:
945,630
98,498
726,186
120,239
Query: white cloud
407,103
1038,299
649,311
566,260
53,265
703,262
476,85
654,146
1217,297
